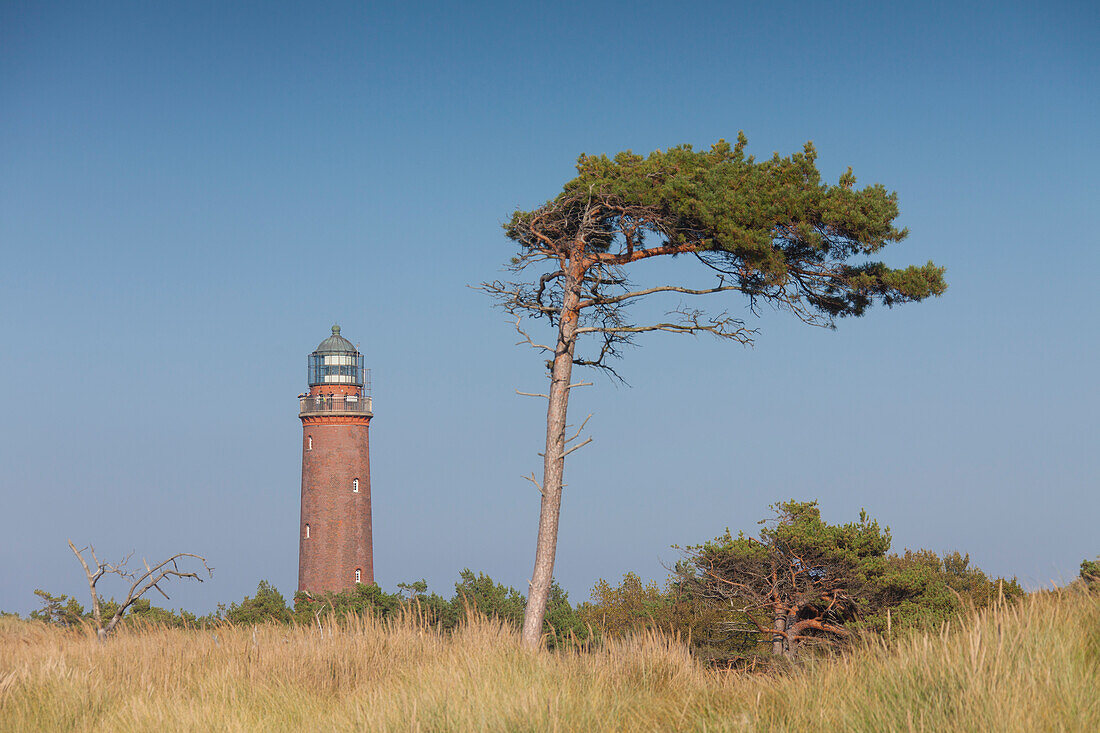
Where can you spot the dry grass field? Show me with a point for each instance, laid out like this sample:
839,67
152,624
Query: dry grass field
1032,666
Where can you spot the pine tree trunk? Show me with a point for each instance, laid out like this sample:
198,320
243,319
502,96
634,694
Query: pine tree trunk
779,645
561,371
791,647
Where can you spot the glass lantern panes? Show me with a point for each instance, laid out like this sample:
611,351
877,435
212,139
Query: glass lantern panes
335,369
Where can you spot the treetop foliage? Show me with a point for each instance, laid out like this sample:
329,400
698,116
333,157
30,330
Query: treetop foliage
799,525
773,225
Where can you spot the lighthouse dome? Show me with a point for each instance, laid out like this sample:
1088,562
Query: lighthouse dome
336,344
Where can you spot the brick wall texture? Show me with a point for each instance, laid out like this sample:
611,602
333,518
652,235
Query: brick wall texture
339,519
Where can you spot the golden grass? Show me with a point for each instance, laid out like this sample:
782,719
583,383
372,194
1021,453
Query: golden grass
1033,666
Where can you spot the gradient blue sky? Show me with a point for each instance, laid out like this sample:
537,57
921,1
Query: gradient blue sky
192,193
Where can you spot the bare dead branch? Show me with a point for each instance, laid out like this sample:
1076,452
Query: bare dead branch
527,338
546,278
532,479
576,447
578,433
92,579
691,322
611,300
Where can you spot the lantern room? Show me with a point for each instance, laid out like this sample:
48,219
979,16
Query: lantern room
336,361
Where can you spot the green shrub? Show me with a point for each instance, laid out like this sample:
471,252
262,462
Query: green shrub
1090,573
268,605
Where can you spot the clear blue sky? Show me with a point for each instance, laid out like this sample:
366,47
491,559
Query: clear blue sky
192,193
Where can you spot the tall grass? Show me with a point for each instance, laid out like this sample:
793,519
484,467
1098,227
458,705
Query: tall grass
1031,666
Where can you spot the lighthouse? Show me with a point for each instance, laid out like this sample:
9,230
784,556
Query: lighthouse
335,549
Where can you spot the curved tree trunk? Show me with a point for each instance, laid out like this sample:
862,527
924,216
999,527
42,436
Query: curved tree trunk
561,371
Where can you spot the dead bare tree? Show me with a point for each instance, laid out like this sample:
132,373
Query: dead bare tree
770,231
141,582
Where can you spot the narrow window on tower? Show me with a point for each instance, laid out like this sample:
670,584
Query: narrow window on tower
355,485
307,531
309,443
358,575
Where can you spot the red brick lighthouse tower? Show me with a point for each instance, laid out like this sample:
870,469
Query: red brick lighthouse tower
335,550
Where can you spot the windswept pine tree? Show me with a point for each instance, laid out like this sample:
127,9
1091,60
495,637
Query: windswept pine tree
771,231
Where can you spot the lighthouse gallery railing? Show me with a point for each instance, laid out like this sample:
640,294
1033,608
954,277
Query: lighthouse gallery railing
334,405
